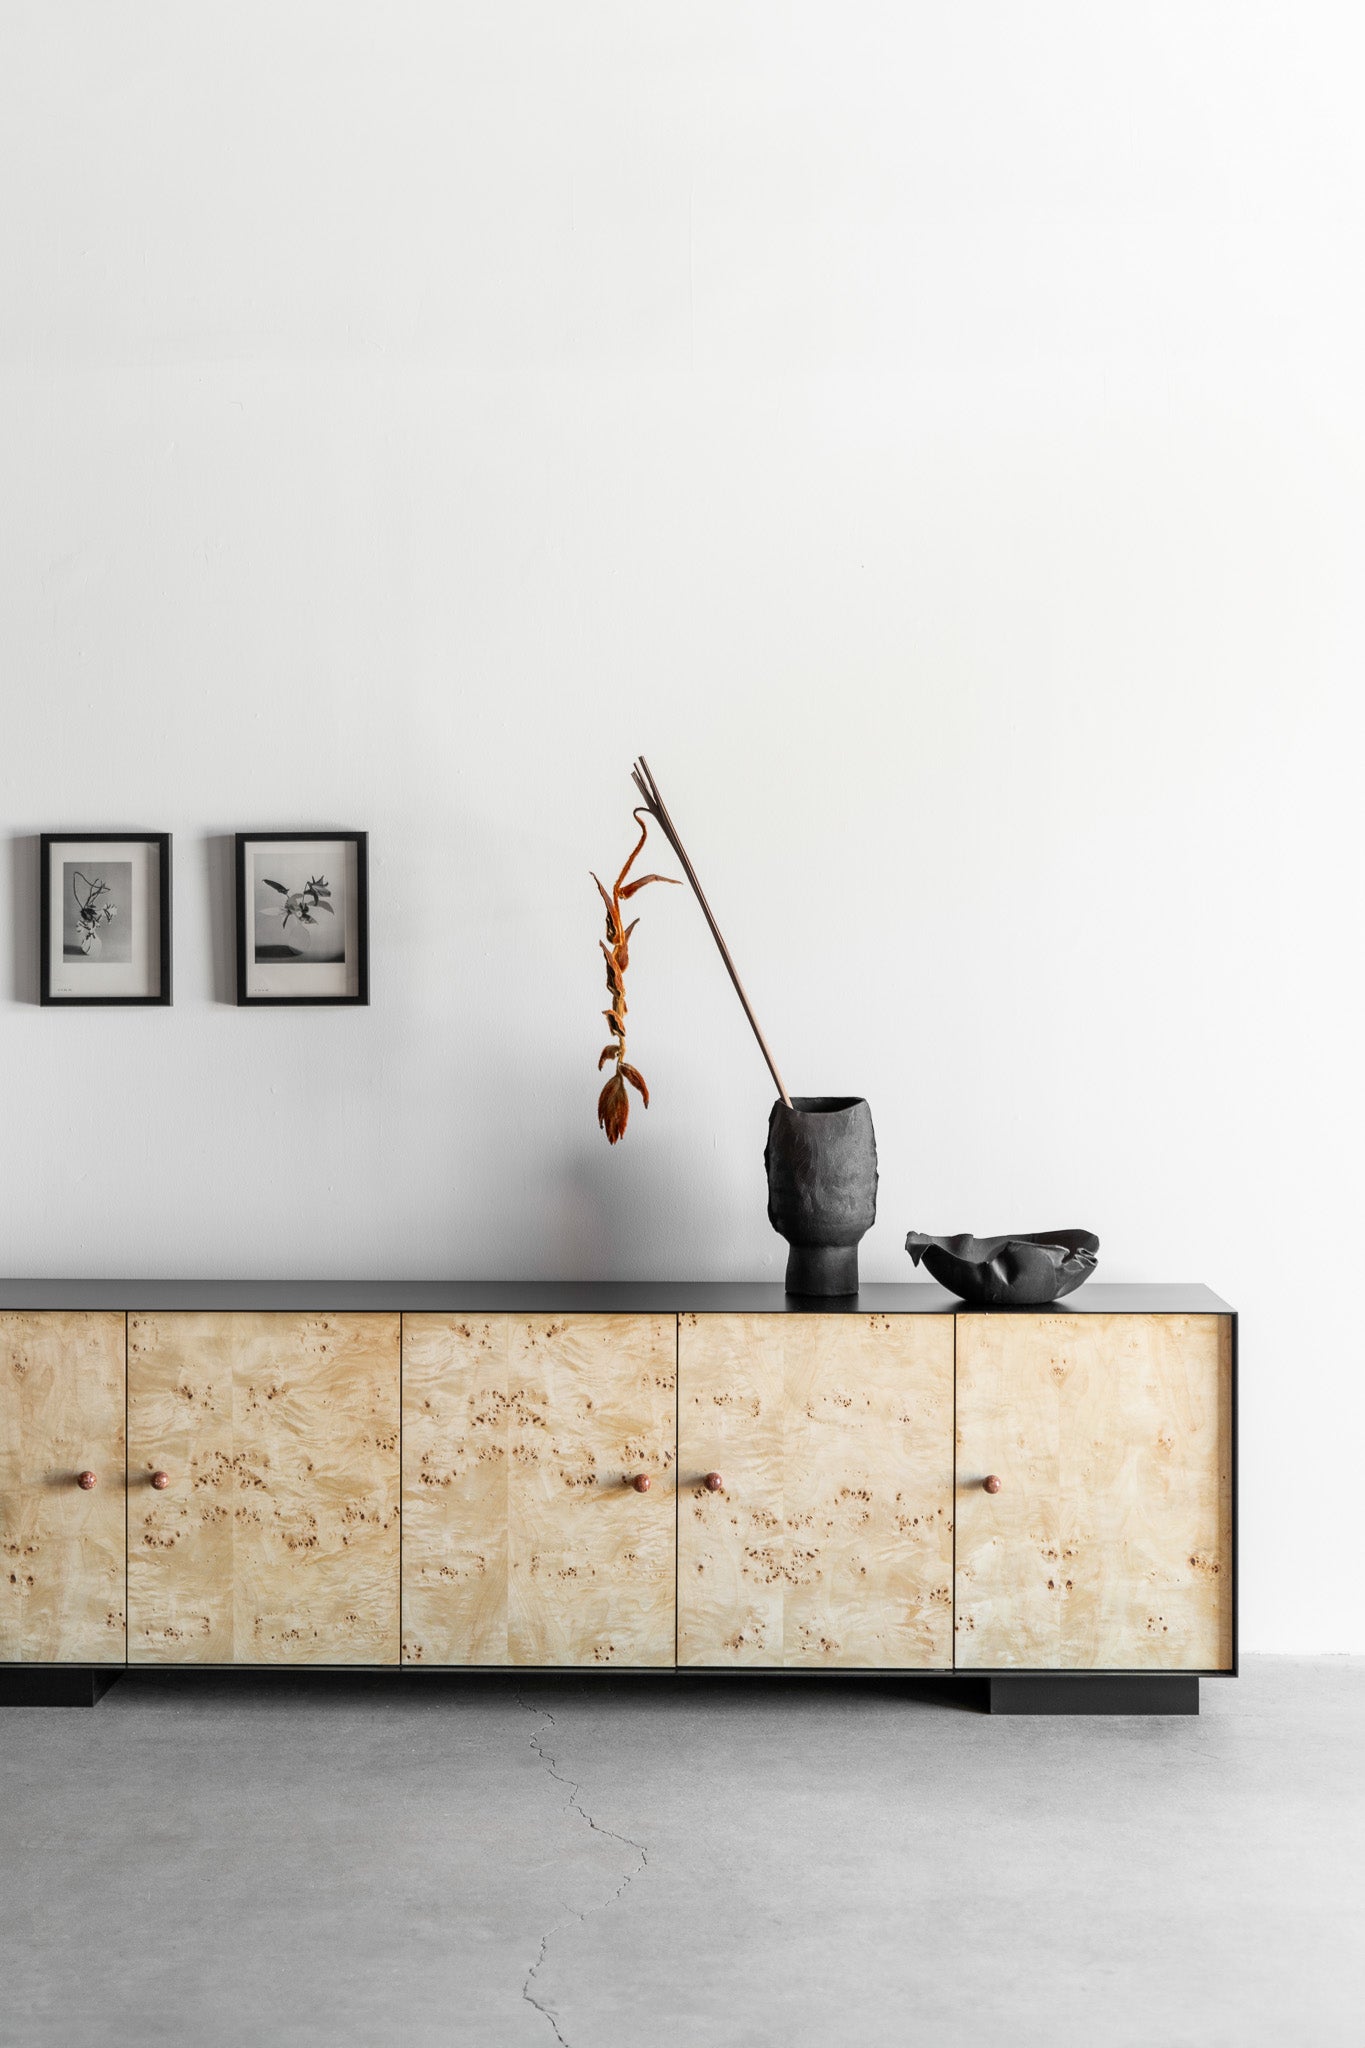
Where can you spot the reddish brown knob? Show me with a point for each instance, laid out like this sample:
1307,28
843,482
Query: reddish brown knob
714,1483
85,1480
991,1483
161,1480
641,1482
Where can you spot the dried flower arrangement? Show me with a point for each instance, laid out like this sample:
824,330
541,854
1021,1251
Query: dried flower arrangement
90,911
613,1105
301,903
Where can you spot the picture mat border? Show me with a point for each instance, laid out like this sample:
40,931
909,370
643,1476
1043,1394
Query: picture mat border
362,908
46,841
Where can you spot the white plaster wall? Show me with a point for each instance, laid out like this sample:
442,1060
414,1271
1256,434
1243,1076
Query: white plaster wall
934,435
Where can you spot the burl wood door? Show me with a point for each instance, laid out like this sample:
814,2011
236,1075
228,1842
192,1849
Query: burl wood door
829,1542
1109,1542
275,1538
525,1539
62,1552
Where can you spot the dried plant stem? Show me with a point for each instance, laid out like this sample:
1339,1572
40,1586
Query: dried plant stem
658,810
613,1104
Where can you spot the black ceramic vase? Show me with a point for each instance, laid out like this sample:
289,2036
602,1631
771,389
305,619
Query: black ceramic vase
822,1188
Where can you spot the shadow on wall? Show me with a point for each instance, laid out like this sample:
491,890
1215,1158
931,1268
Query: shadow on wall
606,1217
219,854
24,868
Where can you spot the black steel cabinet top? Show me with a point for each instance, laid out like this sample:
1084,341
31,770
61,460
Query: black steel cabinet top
577,1297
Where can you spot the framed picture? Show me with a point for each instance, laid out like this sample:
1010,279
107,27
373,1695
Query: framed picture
303,932
104,920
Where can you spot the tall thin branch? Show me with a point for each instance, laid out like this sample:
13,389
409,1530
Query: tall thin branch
658,810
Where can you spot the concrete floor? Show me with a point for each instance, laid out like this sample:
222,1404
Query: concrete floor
317,1863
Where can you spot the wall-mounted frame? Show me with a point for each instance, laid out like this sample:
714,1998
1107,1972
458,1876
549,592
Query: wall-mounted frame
303,932
104,918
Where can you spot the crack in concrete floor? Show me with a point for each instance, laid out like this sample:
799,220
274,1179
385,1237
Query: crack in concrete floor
572,1804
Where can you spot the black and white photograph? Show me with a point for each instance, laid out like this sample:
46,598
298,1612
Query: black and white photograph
104,921
96,911
302,918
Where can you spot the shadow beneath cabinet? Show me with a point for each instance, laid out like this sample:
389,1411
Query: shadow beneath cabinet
259,1686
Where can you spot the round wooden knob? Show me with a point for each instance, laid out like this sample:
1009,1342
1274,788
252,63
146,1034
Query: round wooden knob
991,1483
85,1480
641,1482
714,1483
161,1480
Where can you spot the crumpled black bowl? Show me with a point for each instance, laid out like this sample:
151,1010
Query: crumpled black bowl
1027,1270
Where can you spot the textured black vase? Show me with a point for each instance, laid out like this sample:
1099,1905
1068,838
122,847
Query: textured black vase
822,1188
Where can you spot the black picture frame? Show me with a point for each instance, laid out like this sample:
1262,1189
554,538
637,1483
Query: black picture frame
59,998
252,999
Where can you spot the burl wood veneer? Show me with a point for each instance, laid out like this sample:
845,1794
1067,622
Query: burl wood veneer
830,1541
524,1539
1109,1542
61,1544
276,1537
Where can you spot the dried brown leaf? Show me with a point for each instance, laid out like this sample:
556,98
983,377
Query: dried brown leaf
634,853
613,1109
636,1080
608,1052
643,882
613,921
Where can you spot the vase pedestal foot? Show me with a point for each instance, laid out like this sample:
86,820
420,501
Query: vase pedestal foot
822,1269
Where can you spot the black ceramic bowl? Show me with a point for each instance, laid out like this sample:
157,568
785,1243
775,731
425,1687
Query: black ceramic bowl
1026,1270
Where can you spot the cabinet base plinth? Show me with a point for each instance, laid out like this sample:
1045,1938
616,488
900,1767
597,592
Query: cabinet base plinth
1145,1693
55,1685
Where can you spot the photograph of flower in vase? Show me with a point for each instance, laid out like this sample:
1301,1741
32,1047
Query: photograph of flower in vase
311,907
96,921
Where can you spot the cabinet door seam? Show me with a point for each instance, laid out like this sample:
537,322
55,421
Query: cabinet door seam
953,1494
677,1474
127,1522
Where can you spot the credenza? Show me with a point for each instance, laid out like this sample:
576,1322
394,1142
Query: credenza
690,1478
